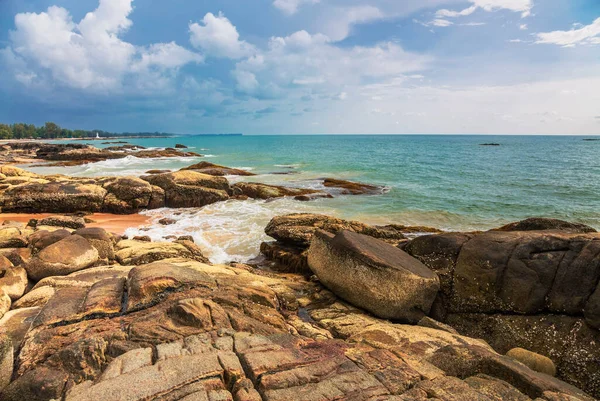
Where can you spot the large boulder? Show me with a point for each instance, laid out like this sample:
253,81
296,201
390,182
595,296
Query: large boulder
541,223
54,197
73,222
298,228
189,188
373,275
100,239
66,256
133,252
127,195
352,188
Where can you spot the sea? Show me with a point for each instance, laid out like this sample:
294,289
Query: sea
451,182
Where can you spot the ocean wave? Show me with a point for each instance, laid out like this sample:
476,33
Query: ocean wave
288,165
225,231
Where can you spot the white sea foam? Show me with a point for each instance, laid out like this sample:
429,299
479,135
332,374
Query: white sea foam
287,165
225,231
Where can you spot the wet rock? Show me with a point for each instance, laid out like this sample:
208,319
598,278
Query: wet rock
534,361
373,275
315,196
157,171
217,170
73,222
352,188
167,221
256,190
61,258
189,188
180,146
288,258
540,223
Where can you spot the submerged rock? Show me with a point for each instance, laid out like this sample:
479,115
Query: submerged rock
352,188
216,170
257,190
373,275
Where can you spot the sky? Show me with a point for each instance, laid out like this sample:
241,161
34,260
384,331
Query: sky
303,66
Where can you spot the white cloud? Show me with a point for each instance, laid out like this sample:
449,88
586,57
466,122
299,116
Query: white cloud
442,23
314,61
586,35
88,54
342,19
217,36
522,6
290,7
523,27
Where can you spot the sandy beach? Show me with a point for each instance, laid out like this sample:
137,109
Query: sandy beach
111,222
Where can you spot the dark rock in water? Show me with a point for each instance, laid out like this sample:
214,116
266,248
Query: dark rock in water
142,238
180,146
166,221
314,196
256,190
591,139
352,188
541,223
217,170
157,171
185,238
489,144
373,275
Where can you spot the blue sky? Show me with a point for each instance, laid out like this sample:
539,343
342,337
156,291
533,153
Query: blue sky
303,66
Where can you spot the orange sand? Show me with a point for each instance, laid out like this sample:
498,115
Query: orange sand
110,222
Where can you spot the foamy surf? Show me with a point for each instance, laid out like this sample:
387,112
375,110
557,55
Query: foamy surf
225,231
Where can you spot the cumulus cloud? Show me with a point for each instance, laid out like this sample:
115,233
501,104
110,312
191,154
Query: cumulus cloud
341,21
218,37
522,6
89,54
586,35
314,61
290,7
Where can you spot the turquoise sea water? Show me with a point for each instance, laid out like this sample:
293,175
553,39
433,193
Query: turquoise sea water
450,182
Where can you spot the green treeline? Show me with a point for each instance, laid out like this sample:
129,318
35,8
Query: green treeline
51,130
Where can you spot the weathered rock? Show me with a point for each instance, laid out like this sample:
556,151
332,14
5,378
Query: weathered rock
5,303
180,146
12,237
36,297
61,258
43,238
216,170
532,360
127,195
299,228
568,341
73,222
256,190
189,188
373,275
13,279
287,258
352,188
6,360
540,223
167,221
99,239
54,197
131,252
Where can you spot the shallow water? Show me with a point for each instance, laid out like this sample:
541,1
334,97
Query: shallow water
450,182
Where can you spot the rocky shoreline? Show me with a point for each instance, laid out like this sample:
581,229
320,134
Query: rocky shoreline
338,310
